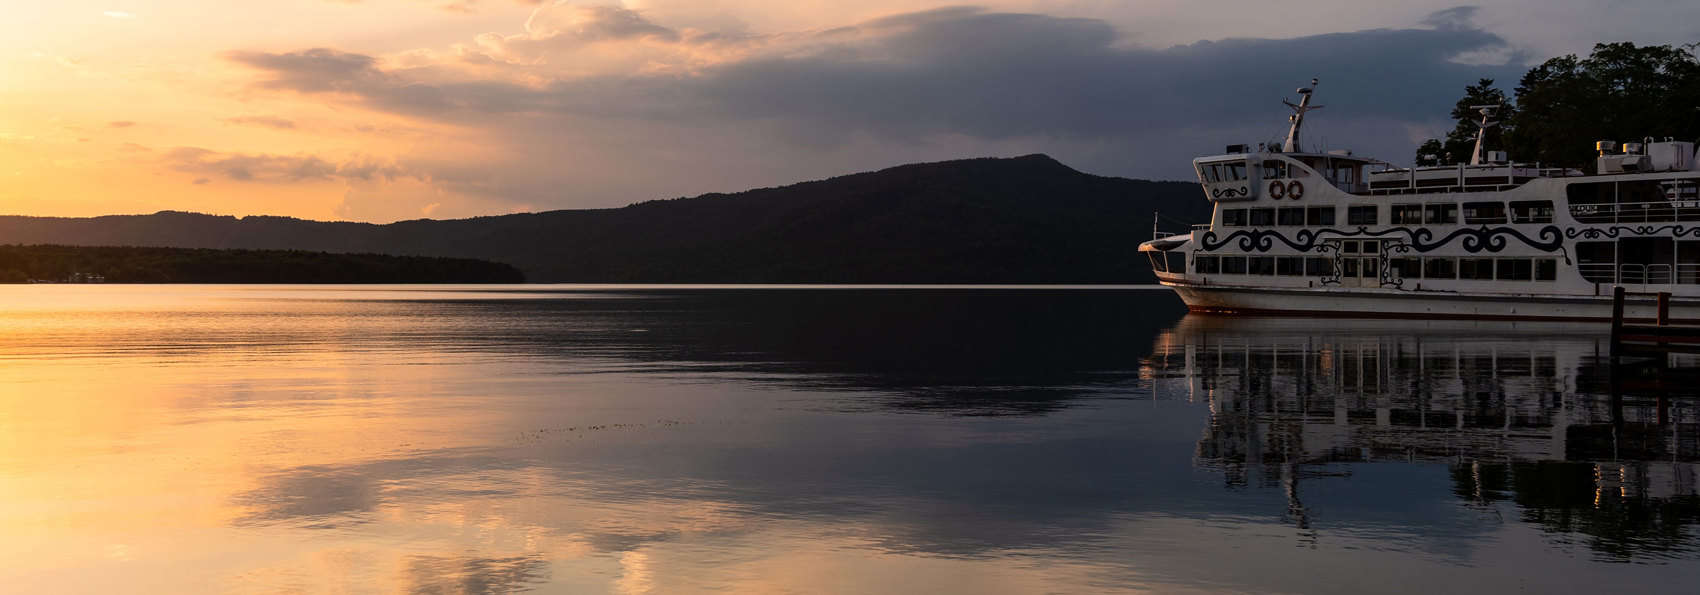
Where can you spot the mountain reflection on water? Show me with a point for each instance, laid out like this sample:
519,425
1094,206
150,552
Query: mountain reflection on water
1523,415
643,439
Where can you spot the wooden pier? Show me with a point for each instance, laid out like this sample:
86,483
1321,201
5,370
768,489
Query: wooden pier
1651,346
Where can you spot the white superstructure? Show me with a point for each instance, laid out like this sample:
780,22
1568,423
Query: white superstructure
1339,234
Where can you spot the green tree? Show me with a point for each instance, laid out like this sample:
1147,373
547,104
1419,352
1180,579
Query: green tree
1620,92
1460,143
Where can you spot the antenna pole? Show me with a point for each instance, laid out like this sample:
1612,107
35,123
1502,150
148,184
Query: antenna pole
1481,134
1298,117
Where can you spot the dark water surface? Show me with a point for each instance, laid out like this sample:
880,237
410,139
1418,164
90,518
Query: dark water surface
645,439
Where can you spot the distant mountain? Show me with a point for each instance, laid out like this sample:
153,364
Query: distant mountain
1018,220
128,264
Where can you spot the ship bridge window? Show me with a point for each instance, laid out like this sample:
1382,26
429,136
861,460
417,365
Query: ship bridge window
1344,173
1362,215
1233,217
1484,212
1274,169
1319,216
1440,213
1222,172
1407,215
1531,211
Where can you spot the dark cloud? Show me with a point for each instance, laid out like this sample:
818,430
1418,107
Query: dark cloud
966,71
201,181
266,121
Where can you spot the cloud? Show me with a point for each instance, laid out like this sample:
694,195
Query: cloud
133,148
201,181
265,121
949,71
279,168
315,70
119,15
120,124
584,105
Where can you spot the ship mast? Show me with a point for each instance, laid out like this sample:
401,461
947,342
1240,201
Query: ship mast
1487,112
1298,117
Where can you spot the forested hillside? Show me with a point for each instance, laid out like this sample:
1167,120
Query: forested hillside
1019,220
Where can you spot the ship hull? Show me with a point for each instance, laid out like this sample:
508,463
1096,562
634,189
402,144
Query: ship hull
1393,303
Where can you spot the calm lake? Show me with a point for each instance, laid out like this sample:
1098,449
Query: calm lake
849,440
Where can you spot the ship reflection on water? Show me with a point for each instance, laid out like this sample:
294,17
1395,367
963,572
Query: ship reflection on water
1523,416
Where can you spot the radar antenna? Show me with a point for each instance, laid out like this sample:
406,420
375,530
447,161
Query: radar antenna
1487,112
1298,117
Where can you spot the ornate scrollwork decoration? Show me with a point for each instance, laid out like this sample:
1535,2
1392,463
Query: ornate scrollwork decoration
1230,192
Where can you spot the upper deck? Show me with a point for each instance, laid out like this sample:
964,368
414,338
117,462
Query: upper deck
1241,175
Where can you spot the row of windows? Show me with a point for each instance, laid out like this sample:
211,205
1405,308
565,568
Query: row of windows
1286,266
1526,211
1482,269
1486,269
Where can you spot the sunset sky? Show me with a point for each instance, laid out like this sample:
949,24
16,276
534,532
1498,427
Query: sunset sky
383,110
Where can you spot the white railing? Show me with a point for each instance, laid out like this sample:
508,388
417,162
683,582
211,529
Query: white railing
1640,274
1637,212
1645,274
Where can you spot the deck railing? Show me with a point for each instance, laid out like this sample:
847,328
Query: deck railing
1637,212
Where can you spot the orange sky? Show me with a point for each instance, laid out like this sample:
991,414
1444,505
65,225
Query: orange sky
381,110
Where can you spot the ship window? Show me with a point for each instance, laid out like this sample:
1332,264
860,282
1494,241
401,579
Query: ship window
1262,217
1233,217
1440,268
1318,266
1408,268
1319,216
1290,216
1207,264
1274,169
1233,171
1407,215
1362,215
1484,212
1346,173
1209,173
1440,213
1349,247
1546,269
1475,268
1688,262
1531,211
1370,247
1348,267
1260,265
1233,265
1514,269
1290,266
1597,261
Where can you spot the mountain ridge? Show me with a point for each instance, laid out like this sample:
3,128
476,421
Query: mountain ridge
1028,219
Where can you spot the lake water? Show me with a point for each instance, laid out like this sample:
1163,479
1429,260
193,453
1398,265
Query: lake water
867,440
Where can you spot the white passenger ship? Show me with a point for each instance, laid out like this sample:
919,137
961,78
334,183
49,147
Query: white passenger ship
1332,233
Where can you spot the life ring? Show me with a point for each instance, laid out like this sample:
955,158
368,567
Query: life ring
1277,189
1295,190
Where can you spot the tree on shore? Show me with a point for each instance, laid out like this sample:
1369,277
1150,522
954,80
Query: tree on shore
1460,142
1620,92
